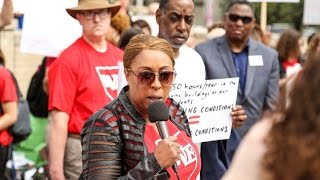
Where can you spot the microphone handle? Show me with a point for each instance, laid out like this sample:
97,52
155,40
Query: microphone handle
175,168
163,129
164,133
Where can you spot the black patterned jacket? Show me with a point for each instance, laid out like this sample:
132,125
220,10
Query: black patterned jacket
113,146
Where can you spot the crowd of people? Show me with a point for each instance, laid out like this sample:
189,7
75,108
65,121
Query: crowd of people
100,89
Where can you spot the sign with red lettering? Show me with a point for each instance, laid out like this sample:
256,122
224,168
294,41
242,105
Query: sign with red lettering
208,105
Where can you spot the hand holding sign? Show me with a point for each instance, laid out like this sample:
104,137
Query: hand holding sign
238,115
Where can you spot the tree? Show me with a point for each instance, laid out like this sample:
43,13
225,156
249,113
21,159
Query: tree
291,13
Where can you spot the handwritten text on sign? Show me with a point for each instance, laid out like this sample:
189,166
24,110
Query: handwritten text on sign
208,105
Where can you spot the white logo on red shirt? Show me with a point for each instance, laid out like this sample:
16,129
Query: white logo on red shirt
188,154
108,76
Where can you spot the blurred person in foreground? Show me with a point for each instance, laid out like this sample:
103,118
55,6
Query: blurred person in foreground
123,137
236,54
81,80
286,143
8,112
6,14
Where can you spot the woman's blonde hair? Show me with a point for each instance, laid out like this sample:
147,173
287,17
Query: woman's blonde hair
145,42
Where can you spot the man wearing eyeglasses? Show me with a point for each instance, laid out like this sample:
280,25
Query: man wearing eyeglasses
237,55
81,81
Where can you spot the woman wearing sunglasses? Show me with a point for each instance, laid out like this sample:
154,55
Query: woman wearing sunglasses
119,141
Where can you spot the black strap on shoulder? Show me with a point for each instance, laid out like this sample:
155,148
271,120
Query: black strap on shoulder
42,67
19,94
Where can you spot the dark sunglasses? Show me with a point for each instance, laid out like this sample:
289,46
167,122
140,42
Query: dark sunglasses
244,19
147,77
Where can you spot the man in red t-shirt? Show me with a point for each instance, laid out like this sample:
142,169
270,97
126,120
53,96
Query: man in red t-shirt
82,79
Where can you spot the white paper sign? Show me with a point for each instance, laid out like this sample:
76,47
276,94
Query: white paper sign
47,27
278,1
18,5
208,106
311,15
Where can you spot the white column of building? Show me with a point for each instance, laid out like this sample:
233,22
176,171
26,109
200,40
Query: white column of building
139,3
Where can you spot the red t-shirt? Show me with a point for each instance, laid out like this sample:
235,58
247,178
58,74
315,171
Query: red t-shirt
292,66
190,162
82,80
7,93
291,63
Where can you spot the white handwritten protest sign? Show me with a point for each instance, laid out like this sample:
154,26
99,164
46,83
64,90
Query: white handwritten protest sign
208,105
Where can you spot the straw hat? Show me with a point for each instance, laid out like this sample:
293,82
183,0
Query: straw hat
112,5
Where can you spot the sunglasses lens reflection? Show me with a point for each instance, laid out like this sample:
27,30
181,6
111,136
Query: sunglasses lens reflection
233,18
147,77
244,19
166,77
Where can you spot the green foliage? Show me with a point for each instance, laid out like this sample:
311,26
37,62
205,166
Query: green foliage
291,13
223,4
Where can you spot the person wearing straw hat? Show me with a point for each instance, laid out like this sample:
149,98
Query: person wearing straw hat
82,79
